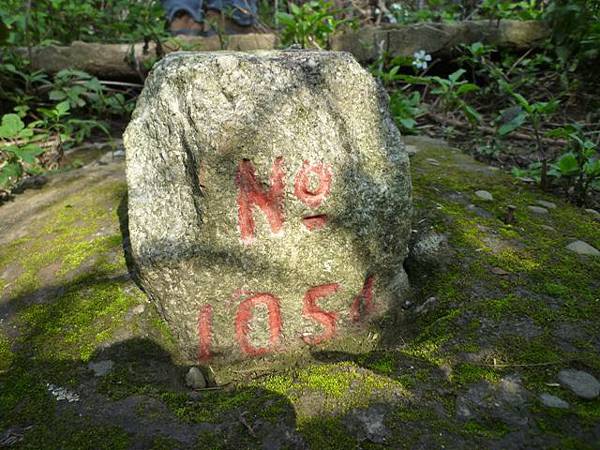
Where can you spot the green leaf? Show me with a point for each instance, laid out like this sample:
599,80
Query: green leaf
294,9
466,88
567,165
10,171
29,152
456,75
11,125
57,95
471,114
409,124
592,168
512,124
63,107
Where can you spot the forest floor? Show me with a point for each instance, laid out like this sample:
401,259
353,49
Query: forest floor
497,348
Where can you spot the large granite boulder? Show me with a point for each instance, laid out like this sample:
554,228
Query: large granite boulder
269,200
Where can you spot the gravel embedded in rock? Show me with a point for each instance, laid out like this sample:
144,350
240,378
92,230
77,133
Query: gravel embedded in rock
552,401
195,379
583,248
580,383
484,195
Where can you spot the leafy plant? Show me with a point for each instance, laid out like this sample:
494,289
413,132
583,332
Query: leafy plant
18,151
406,109
507,9
310,24
64,21
578,169
575,26
451,91
533,113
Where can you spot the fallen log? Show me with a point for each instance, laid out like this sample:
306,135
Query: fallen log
132,61
369,43
442,120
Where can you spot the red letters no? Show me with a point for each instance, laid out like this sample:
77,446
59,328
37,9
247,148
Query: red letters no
204,332
244,316
325,318
363,302
252,193
302,184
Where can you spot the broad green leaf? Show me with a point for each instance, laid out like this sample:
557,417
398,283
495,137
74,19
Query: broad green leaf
512,124
63,107
567,165
592,168
29,152
57,95
409,124
11,125
294,9
10,171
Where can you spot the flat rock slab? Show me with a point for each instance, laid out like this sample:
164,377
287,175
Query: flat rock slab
269,200
581,383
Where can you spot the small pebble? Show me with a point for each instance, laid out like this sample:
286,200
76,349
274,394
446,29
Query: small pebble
526,179
498,271
593,212
537,209
484,195
195,379
545,204
583,248
552,401
580,383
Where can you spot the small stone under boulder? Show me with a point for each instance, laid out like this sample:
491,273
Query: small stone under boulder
269,200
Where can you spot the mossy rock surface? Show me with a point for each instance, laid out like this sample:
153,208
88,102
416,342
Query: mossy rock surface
512,308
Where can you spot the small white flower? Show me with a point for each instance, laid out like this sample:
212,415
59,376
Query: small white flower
421,58
420,64
419,54
377,11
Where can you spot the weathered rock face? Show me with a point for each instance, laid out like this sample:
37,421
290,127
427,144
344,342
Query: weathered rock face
269,200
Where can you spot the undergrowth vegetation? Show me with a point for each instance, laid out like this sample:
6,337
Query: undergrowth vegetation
535,112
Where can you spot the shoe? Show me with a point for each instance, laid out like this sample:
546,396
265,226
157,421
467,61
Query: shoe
184,24
219,23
